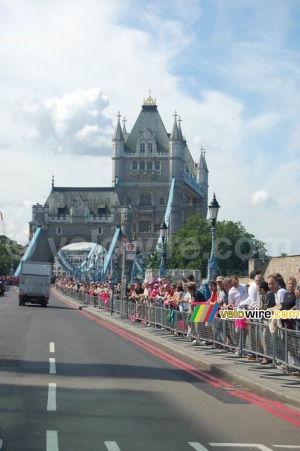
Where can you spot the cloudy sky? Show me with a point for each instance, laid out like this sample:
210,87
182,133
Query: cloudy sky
230,68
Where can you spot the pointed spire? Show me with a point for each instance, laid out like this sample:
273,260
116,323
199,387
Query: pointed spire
118,135
179,127
124,126
176,133
202,161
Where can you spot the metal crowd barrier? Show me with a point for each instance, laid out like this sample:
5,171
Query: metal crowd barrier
281,348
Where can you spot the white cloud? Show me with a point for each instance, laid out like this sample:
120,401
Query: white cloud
74,123
262,198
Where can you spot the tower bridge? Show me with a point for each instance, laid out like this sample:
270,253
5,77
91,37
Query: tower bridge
154,178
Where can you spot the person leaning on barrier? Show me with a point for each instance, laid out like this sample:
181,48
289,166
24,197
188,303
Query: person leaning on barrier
236,297
195,293
297,321
188,299
266,301
277,285
213,287
253,299
153,295
220,291
138,297
289,303
229,325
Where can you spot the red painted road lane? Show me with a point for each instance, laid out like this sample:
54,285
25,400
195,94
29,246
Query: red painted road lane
274,407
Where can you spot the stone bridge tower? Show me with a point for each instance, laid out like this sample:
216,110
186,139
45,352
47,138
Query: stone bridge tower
144,161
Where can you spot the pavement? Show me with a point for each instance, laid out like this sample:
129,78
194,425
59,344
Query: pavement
264,380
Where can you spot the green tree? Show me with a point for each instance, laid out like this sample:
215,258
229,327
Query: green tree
10,255
191,246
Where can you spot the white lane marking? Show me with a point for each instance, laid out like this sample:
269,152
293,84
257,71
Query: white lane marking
1,443
197,446
52,365
243,445
287,446
51,406
112,446
51,346
52,441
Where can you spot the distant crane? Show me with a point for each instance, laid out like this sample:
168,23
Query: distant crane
2,221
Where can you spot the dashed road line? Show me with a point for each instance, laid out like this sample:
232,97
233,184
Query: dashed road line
112,446
52,365
197,446
52,347
243,445
51,406
52,441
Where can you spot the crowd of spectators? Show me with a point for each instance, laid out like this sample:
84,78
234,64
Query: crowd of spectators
9,280
183,295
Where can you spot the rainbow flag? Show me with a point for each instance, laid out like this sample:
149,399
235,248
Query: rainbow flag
204,313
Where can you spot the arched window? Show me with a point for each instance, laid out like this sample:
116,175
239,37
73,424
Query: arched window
145,198
58,230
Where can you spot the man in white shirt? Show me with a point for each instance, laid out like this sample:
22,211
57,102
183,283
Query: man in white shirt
237,293
252,302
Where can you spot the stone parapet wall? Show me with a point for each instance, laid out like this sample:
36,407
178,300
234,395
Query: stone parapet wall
286,266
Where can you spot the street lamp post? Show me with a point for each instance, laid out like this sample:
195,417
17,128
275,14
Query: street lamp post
213,266
163,260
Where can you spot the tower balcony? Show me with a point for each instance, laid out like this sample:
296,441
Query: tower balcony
194,189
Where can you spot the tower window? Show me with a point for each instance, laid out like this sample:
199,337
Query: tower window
145,199
58,230
157,165
99,230
61,211
150,147
161,201
145,226
134,165
142,165
149,165
142,147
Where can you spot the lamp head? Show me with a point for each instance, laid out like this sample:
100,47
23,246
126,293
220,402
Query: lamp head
163,228
213,209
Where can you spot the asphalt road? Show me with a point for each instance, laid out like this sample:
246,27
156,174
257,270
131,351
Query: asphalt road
69,381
